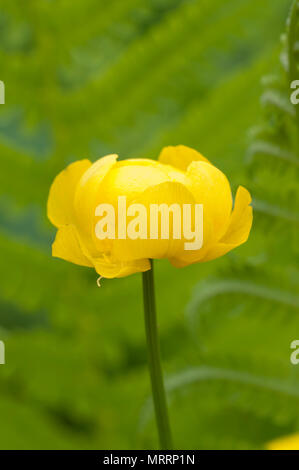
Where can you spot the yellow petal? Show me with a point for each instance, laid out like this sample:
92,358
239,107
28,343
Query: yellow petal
180,156
61,197
109,269
211,188
241,219
158,169
168,193
285,443
130,178
185,258
239,226
86,199
68,247
218,250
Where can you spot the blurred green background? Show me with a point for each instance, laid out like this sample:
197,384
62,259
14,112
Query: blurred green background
87,78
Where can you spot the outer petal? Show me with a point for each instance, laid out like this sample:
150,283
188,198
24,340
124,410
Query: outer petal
184,258
61,197
86,199
68,247
238,229
285,443
109,269
241,219
211,188
180,156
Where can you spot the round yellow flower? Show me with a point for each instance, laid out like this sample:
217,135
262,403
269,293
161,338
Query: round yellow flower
181,176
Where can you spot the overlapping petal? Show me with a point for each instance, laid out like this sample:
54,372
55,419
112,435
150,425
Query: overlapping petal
237,233
168,193
107,267
239,227
130,178
67,246
211,188
61,196
180,156
86,196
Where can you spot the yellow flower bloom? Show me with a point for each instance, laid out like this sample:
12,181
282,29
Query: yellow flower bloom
285,443
181,176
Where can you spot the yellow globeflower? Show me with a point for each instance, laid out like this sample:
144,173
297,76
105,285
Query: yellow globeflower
285,443
119,216
181,177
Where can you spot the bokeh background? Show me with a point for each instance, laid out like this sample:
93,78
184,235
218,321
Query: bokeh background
87,78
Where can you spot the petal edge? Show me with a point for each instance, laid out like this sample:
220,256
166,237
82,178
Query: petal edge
180,156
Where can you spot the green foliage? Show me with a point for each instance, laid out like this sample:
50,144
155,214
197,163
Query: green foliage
245,320
88,78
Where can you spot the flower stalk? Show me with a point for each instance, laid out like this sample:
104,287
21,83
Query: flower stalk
154,360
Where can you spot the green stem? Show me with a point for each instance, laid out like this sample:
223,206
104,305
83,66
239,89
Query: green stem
154,360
